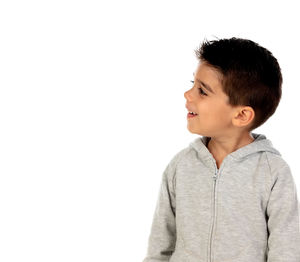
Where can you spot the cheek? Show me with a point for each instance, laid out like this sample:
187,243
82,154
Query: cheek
215,112
222,114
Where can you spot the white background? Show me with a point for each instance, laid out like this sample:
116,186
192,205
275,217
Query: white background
92,110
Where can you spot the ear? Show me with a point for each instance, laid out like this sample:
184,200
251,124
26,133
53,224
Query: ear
243,116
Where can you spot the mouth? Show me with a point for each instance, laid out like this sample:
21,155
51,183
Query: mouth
191,114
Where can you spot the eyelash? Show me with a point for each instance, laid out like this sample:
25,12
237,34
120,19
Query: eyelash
200,90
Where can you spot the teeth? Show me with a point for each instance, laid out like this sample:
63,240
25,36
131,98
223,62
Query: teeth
192,113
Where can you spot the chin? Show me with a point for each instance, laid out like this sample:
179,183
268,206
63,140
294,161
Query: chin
200,133
193,131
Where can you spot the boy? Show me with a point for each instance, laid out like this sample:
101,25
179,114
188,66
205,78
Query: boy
229,196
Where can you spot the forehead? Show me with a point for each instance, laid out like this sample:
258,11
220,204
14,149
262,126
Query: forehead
211,77
206,70
208,75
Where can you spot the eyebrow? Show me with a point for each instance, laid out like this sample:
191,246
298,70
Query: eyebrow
206,86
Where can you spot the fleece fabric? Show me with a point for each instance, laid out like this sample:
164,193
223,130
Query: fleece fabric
245,211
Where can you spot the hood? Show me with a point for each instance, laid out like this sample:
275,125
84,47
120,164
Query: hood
260,144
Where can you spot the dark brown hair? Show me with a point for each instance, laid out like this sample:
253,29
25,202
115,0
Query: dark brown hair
251,75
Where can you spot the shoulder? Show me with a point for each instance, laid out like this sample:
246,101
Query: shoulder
279,167
181,155
275,161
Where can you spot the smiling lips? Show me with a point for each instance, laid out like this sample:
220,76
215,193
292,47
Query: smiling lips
190,115
190,111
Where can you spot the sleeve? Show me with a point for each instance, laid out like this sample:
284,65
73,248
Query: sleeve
162,239
283,219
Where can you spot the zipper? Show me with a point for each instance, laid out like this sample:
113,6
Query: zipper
215,177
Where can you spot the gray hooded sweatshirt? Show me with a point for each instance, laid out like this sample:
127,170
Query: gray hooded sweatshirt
245,211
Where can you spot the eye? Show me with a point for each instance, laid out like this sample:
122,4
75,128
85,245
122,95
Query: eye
200,90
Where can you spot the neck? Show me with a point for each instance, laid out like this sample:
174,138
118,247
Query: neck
222,146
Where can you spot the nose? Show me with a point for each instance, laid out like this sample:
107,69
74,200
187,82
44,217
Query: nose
187,95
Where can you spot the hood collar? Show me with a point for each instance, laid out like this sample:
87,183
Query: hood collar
260,144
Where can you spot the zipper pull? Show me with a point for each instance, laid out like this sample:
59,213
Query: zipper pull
215,176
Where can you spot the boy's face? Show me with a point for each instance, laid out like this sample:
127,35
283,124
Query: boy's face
214,115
